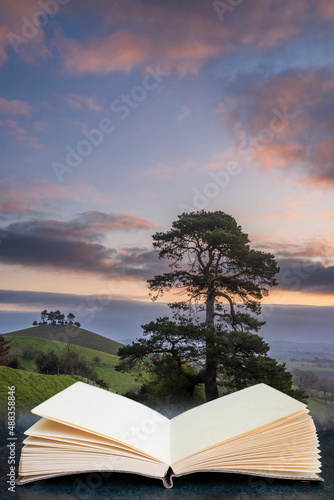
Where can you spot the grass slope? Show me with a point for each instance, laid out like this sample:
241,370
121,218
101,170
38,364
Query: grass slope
31,388
117,381
320,413
72,334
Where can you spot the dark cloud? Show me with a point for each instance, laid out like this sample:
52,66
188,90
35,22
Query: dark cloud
298,323
107,315
76,245
39,299
305,276
122,319
85,226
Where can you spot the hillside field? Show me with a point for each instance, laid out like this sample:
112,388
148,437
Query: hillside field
317,370
117,381
31,388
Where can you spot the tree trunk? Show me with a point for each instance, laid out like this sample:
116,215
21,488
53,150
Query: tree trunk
209,311
211,389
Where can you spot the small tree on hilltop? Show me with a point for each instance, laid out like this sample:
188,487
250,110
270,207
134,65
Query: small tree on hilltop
70,318
55,318
44,317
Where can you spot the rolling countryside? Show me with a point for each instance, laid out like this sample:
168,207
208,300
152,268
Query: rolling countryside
32,388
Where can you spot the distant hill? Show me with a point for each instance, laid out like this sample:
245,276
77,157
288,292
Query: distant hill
74,335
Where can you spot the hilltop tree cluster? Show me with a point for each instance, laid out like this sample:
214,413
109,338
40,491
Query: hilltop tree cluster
56,318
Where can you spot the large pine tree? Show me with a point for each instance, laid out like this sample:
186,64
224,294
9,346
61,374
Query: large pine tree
213,265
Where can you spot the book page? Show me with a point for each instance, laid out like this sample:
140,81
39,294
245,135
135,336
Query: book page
107,414
227,417
57,463
51,430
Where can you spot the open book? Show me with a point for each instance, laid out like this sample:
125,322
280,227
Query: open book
258,431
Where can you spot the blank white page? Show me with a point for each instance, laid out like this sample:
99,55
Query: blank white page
227,417
105,413
49,429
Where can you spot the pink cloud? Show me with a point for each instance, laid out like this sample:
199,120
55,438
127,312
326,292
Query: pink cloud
3,44
327,215
179,39
285,122
187,57
268,23
20,207
77,101
32,196
309,248
14,17
20,135
325,8
15,107
185,112
280,154
289,215
41,125
120,51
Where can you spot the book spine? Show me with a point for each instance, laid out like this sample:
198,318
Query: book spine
168,479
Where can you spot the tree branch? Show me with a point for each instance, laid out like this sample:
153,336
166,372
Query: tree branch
222,294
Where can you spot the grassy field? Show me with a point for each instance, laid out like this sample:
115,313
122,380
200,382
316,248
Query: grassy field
319,411
320,372
72,334
118,382
31,388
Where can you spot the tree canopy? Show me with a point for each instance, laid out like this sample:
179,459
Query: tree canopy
219,275
178,350
213,265
56,318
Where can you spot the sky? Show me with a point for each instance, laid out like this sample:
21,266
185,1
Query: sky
118,116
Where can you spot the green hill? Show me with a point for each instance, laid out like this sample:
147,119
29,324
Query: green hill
105,367
72,334
31,388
